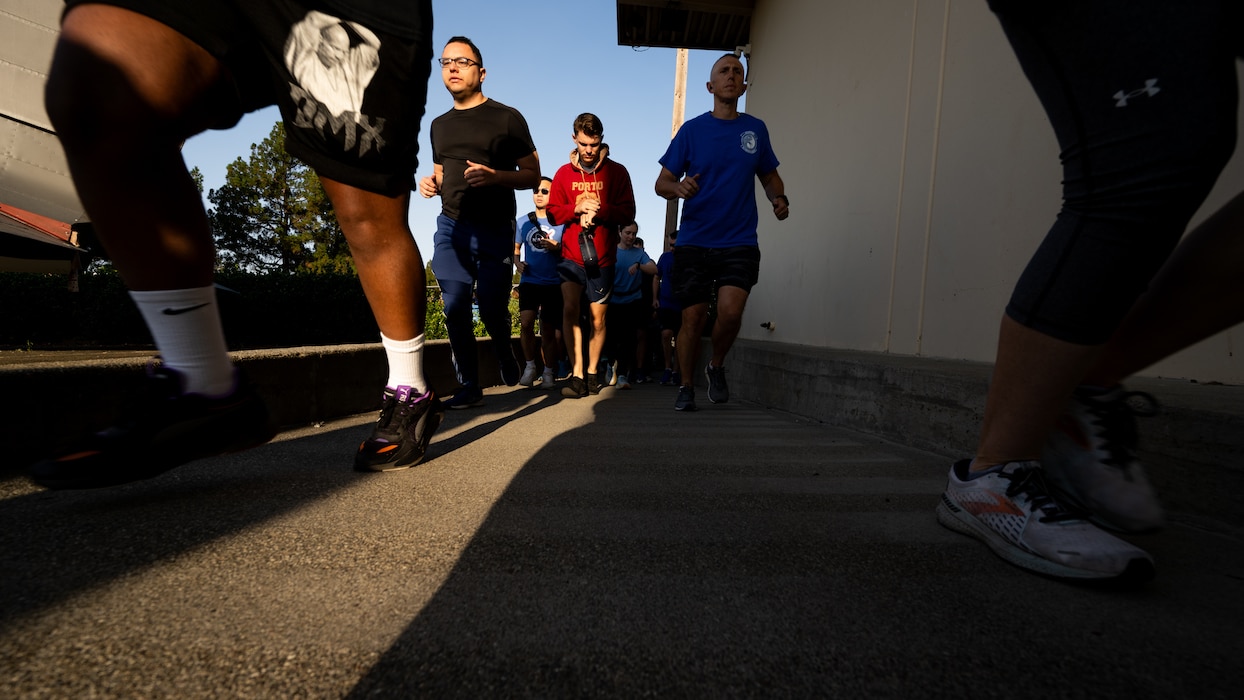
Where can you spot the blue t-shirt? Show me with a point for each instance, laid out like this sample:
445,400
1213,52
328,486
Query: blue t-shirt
541,264
626,287
727,154
665,271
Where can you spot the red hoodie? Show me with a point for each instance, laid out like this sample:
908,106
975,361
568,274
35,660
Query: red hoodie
611,182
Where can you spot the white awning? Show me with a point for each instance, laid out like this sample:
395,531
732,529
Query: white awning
33,173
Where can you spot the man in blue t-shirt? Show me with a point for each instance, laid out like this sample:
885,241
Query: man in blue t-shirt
538,250
712,164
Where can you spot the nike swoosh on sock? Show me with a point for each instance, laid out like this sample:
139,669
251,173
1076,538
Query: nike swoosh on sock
185,309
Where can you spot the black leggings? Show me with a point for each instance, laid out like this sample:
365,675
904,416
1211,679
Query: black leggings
1142,98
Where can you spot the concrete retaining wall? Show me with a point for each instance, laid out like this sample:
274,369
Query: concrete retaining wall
1194,449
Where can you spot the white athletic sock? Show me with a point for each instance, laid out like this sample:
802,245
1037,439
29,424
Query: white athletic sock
405,362
185,325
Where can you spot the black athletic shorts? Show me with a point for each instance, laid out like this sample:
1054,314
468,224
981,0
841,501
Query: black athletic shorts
1143,98
545,298
670,319
350,85
698,272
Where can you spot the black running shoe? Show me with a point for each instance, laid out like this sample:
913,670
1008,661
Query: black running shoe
686,399
718,392
508,364
167,429
402,433
576,388
593,384
466,397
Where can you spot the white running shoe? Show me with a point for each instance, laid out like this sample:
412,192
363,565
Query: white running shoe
1088,459
1012,512
529,375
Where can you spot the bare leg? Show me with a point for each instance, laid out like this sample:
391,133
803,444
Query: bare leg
596,344
571,332
730,304
688,347
1033,379
549,345
1196,294
388,260
124,92
527,333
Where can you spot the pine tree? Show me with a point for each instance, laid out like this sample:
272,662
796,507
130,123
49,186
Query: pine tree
272,215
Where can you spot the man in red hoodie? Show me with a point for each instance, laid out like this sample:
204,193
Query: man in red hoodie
591,196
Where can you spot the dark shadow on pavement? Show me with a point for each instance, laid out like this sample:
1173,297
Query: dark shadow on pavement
740,553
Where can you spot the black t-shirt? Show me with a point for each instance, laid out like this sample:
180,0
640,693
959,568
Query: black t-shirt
490,134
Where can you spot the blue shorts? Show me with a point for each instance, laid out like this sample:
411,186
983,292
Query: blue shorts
598,288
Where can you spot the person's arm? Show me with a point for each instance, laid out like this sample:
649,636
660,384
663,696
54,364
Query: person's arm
619,207
670,187
775,190
526,177
518,253
430,186
561,208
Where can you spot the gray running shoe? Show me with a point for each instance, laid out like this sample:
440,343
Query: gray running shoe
686,399
1089,459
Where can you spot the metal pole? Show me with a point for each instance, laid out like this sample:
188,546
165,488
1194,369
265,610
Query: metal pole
680,105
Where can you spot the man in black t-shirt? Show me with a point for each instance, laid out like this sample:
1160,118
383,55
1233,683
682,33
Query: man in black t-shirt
482,151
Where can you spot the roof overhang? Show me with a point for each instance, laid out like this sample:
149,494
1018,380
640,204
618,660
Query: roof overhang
32,243
721,25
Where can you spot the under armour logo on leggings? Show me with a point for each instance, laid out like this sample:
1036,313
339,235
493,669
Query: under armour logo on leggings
1151,88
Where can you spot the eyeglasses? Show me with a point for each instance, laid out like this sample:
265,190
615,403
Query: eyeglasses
461,62
542,191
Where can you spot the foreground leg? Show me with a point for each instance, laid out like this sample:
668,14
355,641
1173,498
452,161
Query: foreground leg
572,333
392,274
123,92
688,347
731,301
596,345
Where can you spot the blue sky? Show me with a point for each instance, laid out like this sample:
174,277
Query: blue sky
550,60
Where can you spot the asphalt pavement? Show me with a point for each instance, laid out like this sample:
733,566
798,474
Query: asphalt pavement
603,547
